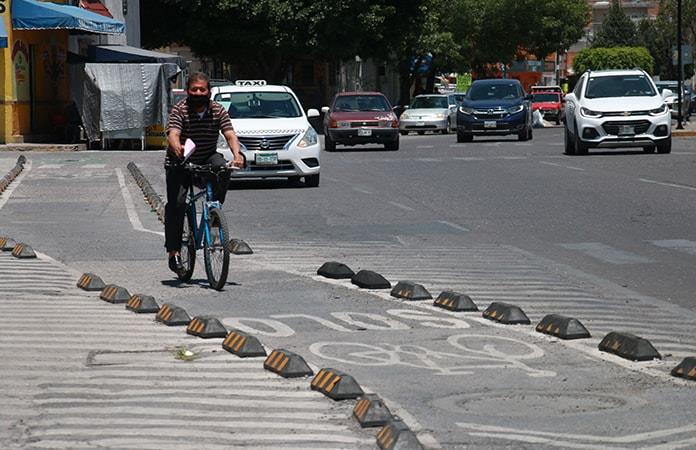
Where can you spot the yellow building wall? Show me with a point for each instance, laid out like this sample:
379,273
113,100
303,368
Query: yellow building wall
47,51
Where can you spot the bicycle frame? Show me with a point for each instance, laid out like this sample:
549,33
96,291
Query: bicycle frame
202,230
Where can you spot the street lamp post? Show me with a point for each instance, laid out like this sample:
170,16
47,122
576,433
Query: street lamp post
679,66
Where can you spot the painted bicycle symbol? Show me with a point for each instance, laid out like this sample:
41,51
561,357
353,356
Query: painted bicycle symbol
472,352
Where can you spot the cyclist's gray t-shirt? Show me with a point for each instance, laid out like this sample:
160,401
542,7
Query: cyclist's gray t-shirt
202,130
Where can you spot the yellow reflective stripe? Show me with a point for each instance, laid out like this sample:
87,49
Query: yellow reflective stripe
240,343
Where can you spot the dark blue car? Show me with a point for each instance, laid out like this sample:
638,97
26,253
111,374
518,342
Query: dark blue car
495,107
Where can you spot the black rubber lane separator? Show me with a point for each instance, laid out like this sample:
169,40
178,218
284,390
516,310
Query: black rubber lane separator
506,313
455,301
335,270
368,279
562,327
629,346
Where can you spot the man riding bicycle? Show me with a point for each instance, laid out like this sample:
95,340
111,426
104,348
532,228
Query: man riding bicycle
201,120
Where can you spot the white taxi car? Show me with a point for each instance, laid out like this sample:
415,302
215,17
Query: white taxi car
273,131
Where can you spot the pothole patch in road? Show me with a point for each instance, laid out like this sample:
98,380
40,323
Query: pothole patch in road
538,404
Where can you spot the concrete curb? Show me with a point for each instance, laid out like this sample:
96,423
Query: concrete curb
683,133
43,147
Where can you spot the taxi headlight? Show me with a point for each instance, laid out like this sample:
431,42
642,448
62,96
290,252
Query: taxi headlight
405,116
659,111
310,138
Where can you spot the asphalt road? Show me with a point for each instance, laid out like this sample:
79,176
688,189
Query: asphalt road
607,238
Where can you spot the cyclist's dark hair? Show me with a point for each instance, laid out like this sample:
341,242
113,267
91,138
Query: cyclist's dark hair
197,76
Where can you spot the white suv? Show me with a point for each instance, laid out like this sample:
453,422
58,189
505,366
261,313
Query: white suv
273,131
617,108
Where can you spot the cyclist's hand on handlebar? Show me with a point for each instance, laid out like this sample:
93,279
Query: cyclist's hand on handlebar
238,162
177,151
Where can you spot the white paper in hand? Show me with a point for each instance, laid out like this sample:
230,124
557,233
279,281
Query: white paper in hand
189,148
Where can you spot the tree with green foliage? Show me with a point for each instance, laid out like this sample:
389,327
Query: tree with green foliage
603,58
617,30
552,25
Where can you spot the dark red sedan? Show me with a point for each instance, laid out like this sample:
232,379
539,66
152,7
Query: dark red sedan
360,118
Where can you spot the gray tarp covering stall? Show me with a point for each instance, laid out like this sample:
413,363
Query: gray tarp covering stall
119,97
125,53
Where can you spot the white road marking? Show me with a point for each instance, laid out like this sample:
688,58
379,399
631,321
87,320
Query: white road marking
12,186
50,166
94,166
425,146
561,165
362,191
674,185
399,205
431,160
606,253
453,225
468,158
681,245
511,158
130,206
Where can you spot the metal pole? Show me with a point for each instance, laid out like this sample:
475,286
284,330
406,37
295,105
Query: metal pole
679,64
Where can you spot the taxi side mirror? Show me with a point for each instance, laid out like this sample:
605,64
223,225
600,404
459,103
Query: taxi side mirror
325,109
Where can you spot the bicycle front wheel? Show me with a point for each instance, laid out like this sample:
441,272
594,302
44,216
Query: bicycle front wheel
188,247
216,252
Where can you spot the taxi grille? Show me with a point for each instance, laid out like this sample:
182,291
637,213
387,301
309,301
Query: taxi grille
266,143
640,126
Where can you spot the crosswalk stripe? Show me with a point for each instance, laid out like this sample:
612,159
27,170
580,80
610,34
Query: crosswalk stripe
681,245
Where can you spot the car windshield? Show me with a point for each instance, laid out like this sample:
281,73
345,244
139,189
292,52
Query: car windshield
346,103
619,86
259,105
430,103
498,91
538,98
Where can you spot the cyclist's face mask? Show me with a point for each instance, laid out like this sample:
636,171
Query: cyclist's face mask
198,94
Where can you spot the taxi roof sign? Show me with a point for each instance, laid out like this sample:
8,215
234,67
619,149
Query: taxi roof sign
245,83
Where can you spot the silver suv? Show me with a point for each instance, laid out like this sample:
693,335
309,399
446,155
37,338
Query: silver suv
614,109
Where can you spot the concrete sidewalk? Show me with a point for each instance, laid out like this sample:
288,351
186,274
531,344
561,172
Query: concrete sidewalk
78,372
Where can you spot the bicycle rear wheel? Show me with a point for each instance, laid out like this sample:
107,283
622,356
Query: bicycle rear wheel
216,253
188,247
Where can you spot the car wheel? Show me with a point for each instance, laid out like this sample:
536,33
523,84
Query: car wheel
421,133
649,149
329,144
449,128
580,147
558,120
523,135
569,143
531,134
465,137
665,146
311,180
392,146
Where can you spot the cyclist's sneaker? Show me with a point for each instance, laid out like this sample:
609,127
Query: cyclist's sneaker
176,265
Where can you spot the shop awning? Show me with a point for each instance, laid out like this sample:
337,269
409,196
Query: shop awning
95,6
128,54
3,34
36,15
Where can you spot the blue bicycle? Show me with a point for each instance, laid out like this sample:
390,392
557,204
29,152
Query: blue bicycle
210,234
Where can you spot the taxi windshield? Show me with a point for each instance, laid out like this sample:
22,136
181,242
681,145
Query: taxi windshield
430,103
259,105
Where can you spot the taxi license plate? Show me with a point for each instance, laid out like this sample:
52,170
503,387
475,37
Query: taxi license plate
266,159
490,124
364,132
627,130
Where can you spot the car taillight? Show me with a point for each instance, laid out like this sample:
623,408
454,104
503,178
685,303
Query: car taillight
333,124
395,124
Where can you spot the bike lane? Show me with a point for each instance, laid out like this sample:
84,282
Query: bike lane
457,379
